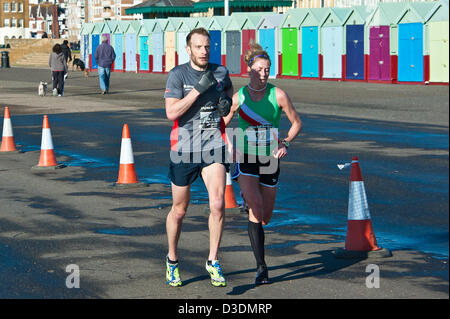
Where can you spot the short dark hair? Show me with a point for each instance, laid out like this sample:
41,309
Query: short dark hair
201,31
57,48
65,42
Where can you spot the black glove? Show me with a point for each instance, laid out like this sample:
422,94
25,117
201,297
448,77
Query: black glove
224,104
206,81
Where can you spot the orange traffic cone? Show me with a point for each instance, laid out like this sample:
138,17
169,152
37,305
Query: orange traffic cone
47,158
360,240
127,171
230,199
8,144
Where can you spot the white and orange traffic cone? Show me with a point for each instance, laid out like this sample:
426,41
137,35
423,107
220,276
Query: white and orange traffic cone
47,159
127,171
8,144
360,240
230,199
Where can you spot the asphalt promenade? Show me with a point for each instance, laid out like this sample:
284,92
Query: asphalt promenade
50,220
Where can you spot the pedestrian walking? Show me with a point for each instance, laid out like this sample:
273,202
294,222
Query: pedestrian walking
198,95
259,147
66,51
58,66
105,56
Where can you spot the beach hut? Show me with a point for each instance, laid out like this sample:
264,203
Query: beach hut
215,33
85,32
233,43
131,46
144,36
107,28
170,43
248,34
291,56
437,21
118,44
355,44
157,47
216,28
311,60
185,26
268,34
332,43
383,44
95,42
413,58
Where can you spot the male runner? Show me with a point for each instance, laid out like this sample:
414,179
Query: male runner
198,94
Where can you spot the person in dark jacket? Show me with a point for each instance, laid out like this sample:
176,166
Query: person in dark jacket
58,66
105,56
66,50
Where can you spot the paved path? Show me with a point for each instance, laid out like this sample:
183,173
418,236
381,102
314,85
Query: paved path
116,237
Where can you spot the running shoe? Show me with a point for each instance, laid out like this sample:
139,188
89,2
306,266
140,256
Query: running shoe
172,274
55,92
262,275
215,271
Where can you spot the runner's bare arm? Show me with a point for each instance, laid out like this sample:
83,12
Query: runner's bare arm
284,102
177,107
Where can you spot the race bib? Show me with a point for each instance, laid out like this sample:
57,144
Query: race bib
261,135
209,120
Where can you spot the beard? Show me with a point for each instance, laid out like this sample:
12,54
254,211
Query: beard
199,63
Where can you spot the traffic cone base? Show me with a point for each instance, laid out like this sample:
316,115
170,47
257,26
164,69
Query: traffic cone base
360,236
47,158
127,173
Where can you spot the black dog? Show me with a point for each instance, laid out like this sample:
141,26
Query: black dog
79,64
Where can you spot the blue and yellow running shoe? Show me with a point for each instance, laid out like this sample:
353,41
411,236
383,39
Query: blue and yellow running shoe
215,271
172,274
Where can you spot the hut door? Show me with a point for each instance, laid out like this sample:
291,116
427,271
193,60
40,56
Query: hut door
215,55
95,43
247,36
143,61
158,52
267,41
410,52
118,48
439,51
289,58
332,52
379,65
183,56
355,52
130,52
310,52
233,59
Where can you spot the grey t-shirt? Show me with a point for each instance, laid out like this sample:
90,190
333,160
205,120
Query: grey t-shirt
200,128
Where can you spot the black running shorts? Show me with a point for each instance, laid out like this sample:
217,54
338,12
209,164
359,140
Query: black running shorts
266,169
184,173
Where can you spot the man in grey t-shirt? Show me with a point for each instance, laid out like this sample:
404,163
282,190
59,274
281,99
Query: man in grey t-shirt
198,94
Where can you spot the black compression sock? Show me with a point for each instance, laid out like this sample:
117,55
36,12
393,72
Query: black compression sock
256,235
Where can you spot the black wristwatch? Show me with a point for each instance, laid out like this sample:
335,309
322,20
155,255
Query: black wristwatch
285,143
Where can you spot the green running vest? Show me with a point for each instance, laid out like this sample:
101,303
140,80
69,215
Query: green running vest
259,122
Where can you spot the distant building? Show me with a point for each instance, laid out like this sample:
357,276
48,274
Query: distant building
75,16
13,19
101,10
48,19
